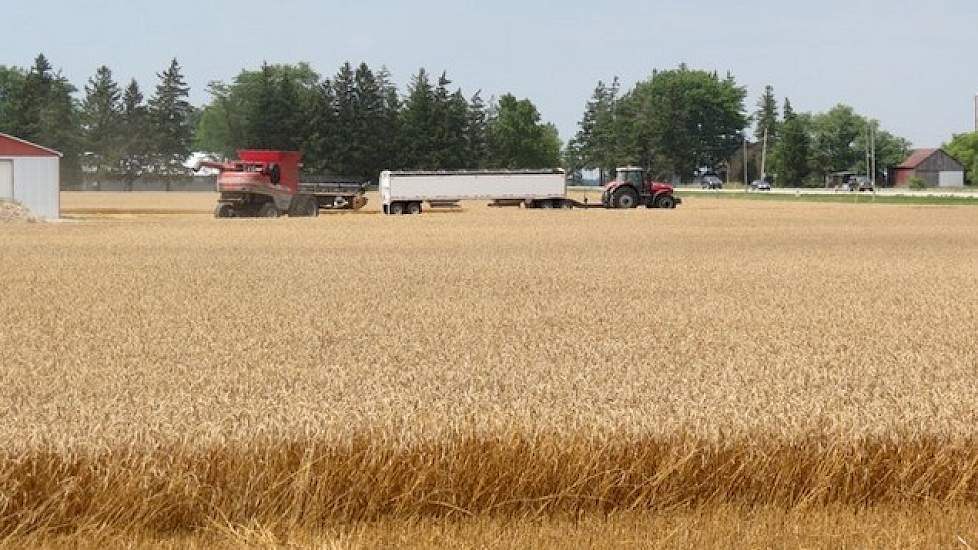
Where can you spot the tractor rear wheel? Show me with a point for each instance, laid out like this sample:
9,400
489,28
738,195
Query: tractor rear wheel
625,198
414,208
396,208
268,210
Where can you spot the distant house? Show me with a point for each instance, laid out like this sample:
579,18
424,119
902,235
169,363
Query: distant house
934,166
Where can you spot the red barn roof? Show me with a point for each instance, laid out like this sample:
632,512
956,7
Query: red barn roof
917,157
11,146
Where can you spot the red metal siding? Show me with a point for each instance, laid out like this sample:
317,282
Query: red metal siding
901,177
13,147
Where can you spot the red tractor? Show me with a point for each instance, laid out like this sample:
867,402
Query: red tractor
631,189
266,184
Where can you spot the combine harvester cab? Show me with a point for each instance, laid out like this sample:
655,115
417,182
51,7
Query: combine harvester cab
266,184
631,188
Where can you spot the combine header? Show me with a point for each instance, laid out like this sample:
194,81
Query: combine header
266,184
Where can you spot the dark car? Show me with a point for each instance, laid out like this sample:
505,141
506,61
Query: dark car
711,182
760,185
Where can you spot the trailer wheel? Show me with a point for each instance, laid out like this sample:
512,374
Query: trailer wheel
414,208
224,210
625,198
396,208
546,204
268,210
312,207
666,201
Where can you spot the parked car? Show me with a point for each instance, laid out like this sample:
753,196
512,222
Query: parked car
760,185
857,183
711,182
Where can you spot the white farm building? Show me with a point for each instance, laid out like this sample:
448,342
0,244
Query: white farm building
31,175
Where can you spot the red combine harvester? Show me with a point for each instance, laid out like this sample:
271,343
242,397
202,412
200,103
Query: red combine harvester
266,184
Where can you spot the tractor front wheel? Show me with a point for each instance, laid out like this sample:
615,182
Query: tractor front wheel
224,210
268,210
666,201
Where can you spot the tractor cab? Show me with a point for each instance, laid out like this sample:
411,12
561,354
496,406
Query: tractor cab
631,188
631,175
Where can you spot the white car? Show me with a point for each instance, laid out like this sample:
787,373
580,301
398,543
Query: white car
760,185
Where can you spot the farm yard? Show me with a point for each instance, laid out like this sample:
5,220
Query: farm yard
759,372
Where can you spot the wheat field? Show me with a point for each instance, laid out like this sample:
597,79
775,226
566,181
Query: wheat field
489,375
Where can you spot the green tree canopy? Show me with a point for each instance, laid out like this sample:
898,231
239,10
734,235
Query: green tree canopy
170,115
790,159
41,108
417,122
477,132
518,139
766,117
135,133
964,147
11,82
597,141
839,139
680,120
101,117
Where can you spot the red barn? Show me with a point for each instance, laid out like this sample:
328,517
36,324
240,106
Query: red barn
934,166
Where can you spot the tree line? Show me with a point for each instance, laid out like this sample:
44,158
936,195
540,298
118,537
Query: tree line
806,147
357,124
354,124
111,130
681,121
671,124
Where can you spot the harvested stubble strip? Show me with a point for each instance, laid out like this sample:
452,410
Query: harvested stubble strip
305,484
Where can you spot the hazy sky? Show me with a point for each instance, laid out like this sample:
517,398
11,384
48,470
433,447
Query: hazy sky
911,64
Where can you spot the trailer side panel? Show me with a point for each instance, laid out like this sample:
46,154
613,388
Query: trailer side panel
456,186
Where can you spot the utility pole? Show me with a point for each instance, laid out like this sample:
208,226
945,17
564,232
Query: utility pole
872,140
764,158
746,183
976,112
869,167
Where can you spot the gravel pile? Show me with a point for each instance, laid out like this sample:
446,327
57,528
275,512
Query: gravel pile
12,212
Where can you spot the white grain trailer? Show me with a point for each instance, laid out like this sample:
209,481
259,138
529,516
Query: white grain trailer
405,192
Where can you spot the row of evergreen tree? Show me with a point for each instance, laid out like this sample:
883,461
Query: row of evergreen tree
357,124
110,130
353,124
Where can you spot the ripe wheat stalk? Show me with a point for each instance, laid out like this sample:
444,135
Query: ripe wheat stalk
169,374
